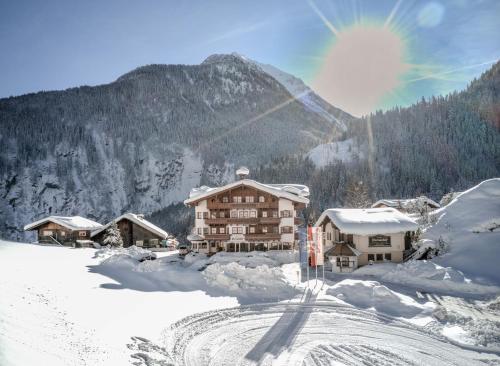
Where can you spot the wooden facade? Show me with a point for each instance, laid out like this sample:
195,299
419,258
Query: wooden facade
52,233
259,215
133,234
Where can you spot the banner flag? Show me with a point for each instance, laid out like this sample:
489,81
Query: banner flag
303,251
315,246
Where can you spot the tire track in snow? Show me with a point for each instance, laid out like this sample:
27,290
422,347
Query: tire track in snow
308,334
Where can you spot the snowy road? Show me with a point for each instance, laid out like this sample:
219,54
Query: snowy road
317,333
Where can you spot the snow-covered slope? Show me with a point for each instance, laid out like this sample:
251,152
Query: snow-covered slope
468,229
305,94
345,151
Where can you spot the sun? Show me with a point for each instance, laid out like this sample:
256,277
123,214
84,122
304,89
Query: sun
364,64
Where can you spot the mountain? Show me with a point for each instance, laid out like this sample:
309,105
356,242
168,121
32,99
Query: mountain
140,143
441,144
305,95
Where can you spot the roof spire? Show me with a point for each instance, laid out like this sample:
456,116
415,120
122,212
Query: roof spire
242,172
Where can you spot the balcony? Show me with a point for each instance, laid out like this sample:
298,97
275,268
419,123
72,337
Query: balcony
230,205
216,236
269,220
263,236
218,220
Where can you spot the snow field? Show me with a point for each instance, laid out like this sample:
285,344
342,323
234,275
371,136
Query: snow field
311,333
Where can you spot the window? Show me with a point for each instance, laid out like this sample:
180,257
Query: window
82,233
225,199
63,233
264,229
349,239
264,213
222,214
275,214
212,244
234,213
214,230
379,241
380,257
388,256
198,215
222,230
203,245
252,229
329,236
371,257
253,213
47,233
241,214
194,246
200,231
286,230
286,213
205,230
245,214
213,214
237,230
342,261
249,199
237,199
205,215
275,229
262,199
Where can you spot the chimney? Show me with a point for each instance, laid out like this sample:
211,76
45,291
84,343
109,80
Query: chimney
140,216
242,172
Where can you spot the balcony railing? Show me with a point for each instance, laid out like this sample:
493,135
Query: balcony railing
263,236
230,205
216,236
242,220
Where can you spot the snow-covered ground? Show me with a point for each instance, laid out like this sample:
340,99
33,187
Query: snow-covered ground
63,306
467,233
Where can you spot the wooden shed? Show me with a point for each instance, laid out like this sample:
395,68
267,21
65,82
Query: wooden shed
135,230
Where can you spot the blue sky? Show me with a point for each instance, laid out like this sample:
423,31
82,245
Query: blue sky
49,45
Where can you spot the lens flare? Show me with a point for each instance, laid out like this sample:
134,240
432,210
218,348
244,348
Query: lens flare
364,63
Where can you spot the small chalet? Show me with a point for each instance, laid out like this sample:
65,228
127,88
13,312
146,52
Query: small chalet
135,230
420,204
356,237
64,230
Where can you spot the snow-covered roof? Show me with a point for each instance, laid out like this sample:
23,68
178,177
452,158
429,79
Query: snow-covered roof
138,220
407,202
343,249
69,222
194,237
369,221
294,192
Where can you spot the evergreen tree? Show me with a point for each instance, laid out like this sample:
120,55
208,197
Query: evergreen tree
113,237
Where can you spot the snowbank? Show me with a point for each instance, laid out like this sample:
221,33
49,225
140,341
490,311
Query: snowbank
373,295
426,276
467,234
262,283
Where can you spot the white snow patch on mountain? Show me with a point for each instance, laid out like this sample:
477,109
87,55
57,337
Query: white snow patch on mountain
325,154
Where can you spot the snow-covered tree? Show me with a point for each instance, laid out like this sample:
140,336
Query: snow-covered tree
113,237
357,195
